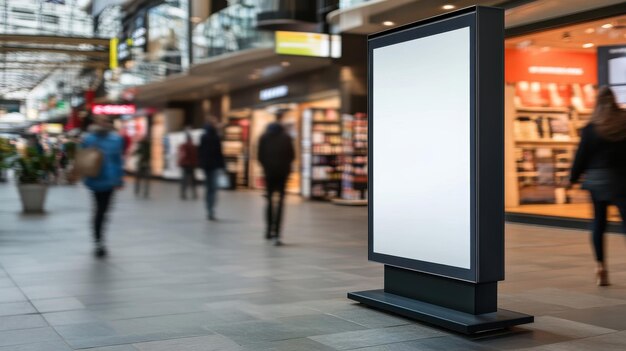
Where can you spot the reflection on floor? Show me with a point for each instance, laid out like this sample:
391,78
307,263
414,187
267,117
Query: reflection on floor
174,281
580,211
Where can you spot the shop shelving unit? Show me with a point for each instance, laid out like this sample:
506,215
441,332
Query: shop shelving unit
354,159
321,154
545,143
235,151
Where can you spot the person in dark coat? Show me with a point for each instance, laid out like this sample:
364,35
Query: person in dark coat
142,175
188,161
601,158
212,161
276,154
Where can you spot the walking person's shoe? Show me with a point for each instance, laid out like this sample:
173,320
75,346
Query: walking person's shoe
602,277
211,217
277,241
100,250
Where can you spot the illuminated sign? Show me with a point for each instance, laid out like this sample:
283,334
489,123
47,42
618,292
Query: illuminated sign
308,44
273,92
113,109
564,71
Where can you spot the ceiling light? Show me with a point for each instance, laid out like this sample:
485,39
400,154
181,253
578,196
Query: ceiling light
448,7
195,19
589,30
388,23
285,64
588,45
253,76
607,26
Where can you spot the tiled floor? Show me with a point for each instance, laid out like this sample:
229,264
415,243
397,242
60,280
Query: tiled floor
175,281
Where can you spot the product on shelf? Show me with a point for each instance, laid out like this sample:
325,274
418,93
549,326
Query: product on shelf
321,153
354,178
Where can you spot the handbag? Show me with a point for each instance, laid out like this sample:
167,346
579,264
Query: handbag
223,179
89,162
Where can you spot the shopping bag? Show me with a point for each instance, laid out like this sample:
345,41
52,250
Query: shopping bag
223,180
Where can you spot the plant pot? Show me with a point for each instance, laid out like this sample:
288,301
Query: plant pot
33,197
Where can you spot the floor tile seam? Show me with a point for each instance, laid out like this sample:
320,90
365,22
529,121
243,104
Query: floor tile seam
390,343
148,335
31,303
85,295
365,326
132,344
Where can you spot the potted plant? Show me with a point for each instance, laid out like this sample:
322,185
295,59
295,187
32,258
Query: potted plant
32,169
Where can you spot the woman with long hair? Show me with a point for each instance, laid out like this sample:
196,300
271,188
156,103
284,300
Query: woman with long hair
601,158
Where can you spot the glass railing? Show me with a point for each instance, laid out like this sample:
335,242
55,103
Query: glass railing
231,30
350,3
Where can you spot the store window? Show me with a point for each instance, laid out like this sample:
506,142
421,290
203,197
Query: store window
552,79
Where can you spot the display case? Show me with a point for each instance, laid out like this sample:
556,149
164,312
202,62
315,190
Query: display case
235,150
354,159
321,154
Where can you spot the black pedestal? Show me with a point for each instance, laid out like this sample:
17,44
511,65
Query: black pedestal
452,304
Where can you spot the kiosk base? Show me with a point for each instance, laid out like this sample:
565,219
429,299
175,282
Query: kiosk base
458,321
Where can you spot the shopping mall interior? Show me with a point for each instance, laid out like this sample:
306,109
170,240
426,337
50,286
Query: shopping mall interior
149,268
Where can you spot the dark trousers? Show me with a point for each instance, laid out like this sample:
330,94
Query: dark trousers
188,180
600,221
210,193
142,178
275,194
102,201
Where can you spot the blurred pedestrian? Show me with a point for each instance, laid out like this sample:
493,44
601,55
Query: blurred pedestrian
142,175
188,161
276,153
212,162
103,138
601,158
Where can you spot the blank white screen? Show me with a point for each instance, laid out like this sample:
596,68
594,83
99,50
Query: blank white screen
421,134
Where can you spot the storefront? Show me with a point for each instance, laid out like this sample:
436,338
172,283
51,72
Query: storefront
552,78
304,102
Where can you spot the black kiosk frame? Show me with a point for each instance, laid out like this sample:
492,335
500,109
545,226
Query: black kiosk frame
456,298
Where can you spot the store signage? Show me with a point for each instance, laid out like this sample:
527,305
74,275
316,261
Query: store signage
273,93
139,31
308,44
565,71
99,109
123,50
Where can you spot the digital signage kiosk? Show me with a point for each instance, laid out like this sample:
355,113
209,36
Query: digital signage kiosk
436,167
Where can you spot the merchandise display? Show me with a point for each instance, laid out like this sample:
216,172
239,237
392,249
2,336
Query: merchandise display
354,177
234,147
546,129
322,152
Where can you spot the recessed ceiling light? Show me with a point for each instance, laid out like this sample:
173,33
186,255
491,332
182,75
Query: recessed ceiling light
589,30
448,7
285,64
588,45
388,23
607,26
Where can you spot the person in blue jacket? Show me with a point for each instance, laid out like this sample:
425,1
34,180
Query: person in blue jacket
103,137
